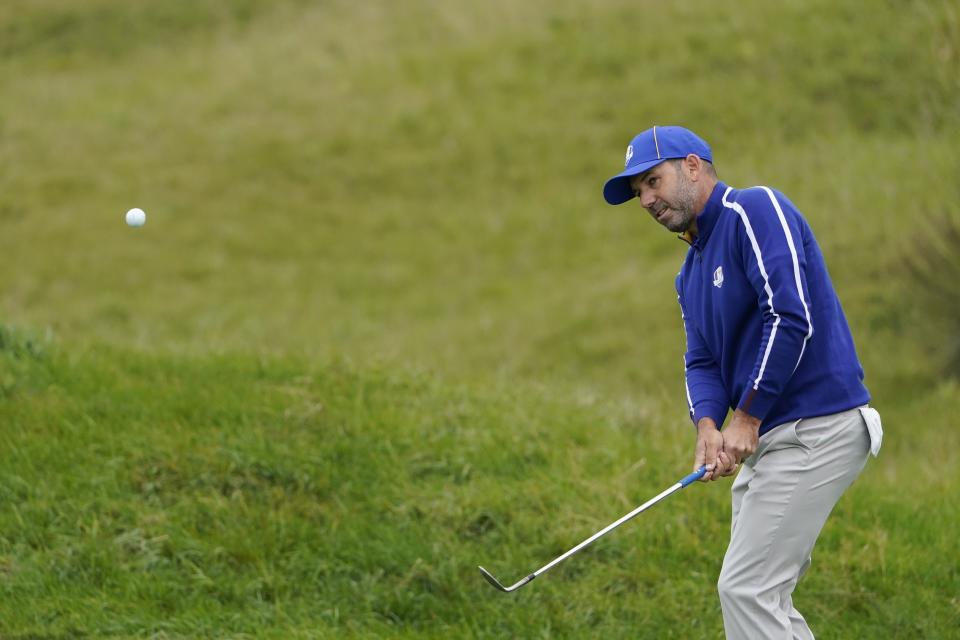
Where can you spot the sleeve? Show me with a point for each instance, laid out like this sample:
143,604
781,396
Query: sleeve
706,395
775,264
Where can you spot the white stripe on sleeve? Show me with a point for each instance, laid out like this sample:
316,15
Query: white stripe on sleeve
686,385
796,271
766,282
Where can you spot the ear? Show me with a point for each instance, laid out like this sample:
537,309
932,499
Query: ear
693,166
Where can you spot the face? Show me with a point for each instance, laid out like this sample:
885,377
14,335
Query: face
668,194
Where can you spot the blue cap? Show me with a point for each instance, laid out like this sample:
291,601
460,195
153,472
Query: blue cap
649,149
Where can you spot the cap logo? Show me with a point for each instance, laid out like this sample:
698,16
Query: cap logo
629,154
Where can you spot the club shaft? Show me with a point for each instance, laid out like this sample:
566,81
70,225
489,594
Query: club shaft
693,477
646,505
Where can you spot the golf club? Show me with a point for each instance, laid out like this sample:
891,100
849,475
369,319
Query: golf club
693,477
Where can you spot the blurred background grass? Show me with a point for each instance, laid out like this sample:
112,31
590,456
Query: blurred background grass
412,191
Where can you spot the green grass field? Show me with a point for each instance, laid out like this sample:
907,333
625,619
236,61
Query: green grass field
380,326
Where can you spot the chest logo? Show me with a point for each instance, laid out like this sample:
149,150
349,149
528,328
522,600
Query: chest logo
718,277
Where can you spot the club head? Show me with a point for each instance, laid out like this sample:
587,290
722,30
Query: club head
493,581
496,583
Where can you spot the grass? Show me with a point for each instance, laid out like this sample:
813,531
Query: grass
234,496
380,327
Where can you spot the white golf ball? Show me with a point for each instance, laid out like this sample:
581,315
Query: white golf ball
136,217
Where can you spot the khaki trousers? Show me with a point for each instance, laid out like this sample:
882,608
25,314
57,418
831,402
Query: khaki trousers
781,499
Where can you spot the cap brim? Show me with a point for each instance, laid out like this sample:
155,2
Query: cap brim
617,190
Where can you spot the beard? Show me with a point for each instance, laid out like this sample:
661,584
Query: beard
681,209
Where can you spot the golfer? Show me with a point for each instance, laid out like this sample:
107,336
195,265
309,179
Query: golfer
767,338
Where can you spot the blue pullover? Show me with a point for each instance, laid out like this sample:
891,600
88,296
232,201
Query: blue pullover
765,330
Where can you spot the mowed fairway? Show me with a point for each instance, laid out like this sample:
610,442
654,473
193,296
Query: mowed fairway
380,327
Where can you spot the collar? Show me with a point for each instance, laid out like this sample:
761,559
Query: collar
707,218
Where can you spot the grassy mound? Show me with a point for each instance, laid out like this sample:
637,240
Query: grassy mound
240,496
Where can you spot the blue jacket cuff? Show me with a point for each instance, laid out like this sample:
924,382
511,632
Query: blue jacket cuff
757,402
717,412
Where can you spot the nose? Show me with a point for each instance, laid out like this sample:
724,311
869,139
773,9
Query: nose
646,197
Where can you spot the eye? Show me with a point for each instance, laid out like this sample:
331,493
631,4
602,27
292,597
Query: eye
652,181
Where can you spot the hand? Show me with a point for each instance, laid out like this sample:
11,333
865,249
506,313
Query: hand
740,438
709,449
725,467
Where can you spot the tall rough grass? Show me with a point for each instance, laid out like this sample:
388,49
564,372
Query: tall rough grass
933,266
240,496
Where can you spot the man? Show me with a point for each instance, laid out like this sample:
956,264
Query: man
766,337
